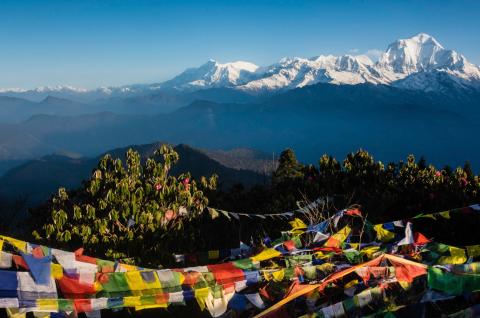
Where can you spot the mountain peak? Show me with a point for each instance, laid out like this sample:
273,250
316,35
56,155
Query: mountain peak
424,38
238,65
421,52
213,74
210,63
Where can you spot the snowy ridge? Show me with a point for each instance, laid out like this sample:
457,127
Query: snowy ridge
42,89
417,63
403,59
213,74
299,72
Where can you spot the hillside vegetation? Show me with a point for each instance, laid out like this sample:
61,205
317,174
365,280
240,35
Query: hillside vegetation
119,193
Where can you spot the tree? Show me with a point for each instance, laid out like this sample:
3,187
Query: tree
126,210
288,167
422,163
467,167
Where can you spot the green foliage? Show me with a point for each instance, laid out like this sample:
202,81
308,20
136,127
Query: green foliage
126,210
385,191
288,167
136,210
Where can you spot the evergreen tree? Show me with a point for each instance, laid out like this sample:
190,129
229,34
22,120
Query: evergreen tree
467,167
422,163
288,168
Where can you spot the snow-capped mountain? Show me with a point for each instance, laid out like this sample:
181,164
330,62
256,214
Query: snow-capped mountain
413,58
60,91
213,74
209,75
422,53
42,89
298,72
422,63
416,63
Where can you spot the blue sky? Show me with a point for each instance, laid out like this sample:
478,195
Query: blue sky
90,43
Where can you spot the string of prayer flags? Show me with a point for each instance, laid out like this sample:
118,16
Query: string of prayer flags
215,213
339,274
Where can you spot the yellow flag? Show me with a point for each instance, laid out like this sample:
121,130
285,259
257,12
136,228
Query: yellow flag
202,292
266,254
1,245
21,245
382,234
14,313
431,216
47,304
267,276
445,214
180,277
369,251
57,271
98,286
473,250
342,234
355,245
457,256
326,267
142,307
132,301
351,284
278,275
134,280
201,295
298,226
137,283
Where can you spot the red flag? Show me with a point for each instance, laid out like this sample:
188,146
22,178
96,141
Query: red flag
72,286
82,258
82,305
20,262
226,274
407,272
289,245
356,212
420,239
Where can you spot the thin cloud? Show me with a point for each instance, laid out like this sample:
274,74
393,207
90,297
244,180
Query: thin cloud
354,51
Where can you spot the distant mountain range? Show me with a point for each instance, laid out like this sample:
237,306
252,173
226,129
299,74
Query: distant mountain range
17,109
418,98
315,119
37,180
406,64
